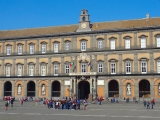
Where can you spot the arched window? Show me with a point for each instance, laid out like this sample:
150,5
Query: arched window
83,19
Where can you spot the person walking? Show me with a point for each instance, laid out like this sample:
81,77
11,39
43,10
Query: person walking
144,103
148,105
153,103
12,102
6,104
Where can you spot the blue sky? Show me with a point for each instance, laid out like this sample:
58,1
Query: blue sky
20,14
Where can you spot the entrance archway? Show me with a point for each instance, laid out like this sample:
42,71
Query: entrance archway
144,88
7,88
31,89
83,90
56,89
113,89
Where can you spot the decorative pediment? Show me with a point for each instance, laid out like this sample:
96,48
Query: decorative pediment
127,37
56,41
157,35
43,42
158,58
43,63
19,63
100,38
31,63
128,59
100,60
55,62
8,64
83,39
8,45
20,44
31,43
143,36
143,59
112,38
67,62
67,40
112,60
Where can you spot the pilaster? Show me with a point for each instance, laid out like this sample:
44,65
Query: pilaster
2,67
106,64
62,65
135,63
105,41
105,88
136,88
49,46
37,91
13,88
14,48
2,89
120,89
62,88
3,48
37,45
37,66
49,89
135,40
13,68
25,66
71,87
25,47
25,88
152,88
150,38
75,87
120,63
151,63
49,66
120,40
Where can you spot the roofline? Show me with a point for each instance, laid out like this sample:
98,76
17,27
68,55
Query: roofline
82,33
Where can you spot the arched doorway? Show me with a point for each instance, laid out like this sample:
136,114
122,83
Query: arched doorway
7,88
83,89
56,89
113,89
144,88
31,89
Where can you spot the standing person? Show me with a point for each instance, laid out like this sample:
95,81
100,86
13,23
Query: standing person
78,104
12,102
85,104
153,103
148,105
21,100
144,103
6,104
100,100
36,101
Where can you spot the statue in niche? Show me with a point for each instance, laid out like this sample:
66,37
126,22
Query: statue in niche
19,89
128,89
43,90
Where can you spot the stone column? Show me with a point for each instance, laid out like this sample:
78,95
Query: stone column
49,46
3,48
105,41
95,87
74,43
62,44
136,88
152,89
120,64
135,40
2,68
105,88
150,39
91,88
62,88
106,64
62,65
120,89
14,48
120,41
94,64
37,66
25,88
37,46
75,87
49,66
71,87
2,89
135,63
25,47
151,63
49,89
25,67
13,68
37,91
13,87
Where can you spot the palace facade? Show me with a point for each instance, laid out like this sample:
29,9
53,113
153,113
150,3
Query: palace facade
119,58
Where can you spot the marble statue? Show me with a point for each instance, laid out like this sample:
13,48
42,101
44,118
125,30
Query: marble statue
128,89
19,89
43,90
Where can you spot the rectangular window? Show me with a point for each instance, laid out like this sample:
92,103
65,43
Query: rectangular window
43,48
112,44
66,68
127,44
31,47
158,42
19,49
100,67
19,70
158,67
113,68
83,68
8,71
83,46
55,47
31,70
8,50
43,70
99,44
55,69
143,67
143,42
67,46
128,68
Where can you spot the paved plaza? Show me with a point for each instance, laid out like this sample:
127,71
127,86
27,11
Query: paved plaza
107,111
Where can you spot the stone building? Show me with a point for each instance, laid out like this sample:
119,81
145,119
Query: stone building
119,58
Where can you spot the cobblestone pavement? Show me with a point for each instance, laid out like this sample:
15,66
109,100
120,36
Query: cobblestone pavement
107,111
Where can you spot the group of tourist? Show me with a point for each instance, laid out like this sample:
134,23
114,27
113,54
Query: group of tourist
8,100
147,104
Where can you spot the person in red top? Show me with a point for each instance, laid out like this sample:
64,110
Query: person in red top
36,101
100,100
153,103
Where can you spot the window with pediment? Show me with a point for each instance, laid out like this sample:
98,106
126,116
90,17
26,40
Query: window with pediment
8,69
143,41
44,47
20,48
127,42
43,69
112,43
8,49
157,36
19,69
31,48
31,69
113,63
56,66
143,63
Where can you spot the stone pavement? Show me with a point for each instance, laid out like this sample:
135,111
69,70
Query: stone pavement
107,111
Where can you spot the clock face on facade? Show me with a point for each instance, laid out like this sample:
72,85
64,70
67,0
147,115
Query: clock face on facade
83,25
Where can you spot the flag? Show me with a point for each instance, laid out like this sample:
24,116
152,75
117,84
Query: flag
71,64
